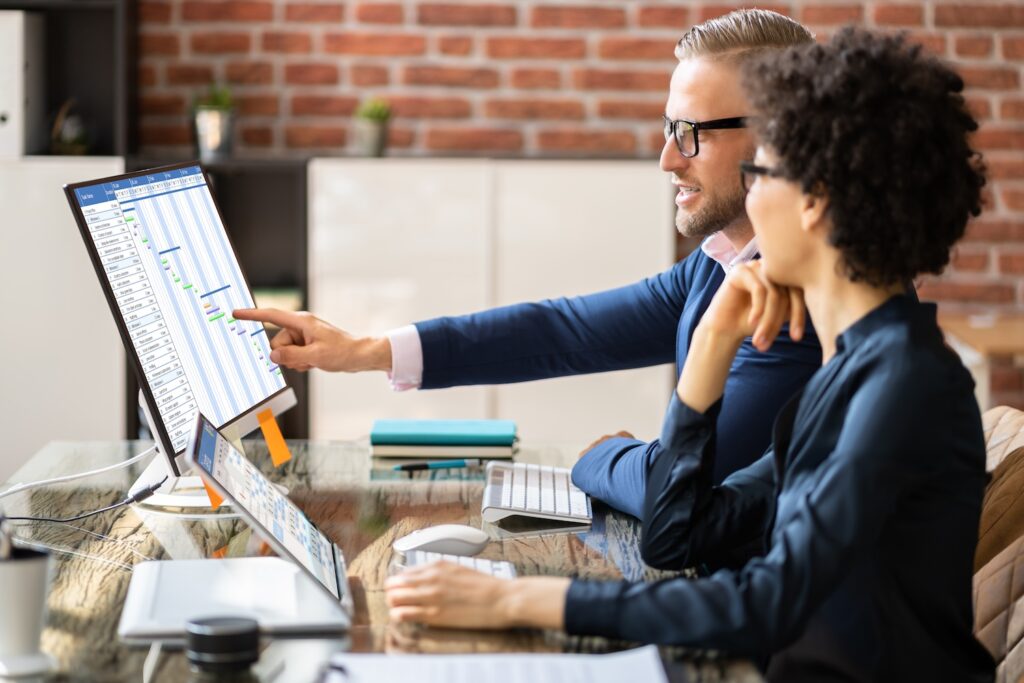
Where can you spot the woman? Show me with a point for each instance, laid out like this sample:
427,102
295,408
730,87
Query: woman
845,552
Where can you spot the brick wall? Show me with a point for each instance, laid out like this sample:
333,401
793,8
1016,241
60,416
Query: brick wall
542,78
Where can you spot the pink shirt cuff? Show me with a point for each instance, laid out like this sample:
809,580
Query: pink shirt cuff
406,358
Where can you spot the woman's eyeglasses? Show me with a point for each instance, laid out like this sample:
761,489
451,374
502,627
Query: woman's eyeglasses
749,171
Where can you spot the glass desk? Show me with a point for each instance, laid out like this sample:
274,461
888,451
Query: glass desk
359,503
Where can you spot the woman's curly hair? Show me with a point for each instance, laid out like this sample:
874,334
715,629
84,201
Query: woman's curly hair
881,129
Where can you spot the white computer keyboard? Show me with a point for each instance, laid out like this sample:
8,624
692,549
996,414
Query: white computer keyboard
499,568
515,488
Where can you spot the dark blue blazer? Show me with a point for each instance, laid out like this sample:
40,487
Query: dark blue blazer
647,323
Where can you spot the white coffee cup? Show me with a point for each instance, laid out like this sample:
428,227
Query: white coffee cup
24,584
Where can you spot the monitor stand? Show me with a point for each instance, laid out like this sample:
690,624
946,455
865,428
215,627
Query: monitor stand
178,491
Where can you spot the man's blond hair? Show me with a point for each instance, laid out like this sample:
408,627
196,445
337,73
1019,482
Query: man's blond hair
741,34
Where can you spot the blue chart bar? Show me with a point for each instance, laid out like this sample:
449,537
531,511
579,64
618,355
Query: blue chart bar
219,289
168,251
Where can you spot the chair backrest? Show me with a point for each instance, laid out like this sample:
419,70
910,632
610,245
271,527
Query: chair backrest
1004,433
998,603
998,586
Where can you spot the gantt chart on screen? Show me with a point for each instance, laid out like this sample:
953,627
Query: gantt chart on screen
176,280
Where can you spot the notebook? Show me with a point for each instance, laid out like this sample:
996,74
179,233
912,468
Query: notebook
443,432
410,451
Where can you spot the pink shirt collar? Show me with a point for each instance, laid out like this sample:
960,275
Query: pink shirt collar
720,249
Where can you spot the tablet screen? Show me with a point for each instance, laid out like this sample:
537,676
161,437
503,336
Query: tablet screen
274,515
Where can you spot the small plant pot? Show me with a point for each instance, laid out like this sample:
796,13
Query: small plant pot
371,137
214,132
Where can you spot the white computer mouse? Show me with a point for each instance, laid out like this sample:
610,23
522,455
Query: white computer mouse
453,539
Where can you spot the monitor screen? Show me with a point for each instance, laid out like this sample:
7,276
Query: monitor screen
172,279
270,511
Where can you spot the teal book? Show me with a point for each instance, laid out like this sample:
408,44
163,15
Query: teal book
443,432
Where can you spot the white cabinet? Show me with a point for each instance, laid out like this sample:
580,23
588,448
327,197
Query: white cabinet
390,243
63,374
22,76
573,227
395,241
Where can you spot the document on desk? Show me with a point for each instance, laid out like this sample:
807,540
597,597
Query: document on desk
641,664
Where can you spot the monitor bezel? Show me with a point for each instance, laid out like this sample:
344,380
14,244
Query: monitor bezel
156,422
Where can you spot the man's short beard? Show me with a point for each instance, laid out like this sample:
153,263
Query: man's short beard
716,214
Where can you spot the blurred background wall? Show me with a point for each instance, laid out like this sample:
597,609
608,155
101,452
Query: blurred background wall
552,79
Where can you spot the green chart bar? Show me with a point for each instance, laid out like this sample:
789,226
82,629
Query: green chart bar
216,317
187,287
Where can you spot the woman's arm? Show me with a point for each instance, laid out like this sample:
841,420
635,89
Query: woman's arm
686,519
746,305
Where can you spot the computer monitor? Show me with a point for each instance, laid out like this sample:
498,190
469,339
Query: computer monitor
172,279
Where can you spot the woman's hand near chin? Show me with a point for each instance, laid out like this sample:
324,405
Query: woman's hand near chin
445,594
747,304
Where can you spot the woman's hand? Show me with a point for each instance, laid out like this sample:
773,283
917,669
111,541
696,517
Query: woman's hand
746,305
445,594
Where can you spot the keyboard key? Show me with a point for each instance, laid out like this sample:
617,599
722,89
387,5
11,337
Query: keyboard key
561,493
577,503
502,480
518,487
532,487
547,490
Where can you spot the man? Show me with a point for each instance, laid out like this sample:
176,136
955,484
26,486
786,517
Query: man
647,323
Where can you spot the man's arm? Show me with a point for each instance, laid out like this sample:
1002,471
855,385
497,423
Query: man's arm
629,327
615,471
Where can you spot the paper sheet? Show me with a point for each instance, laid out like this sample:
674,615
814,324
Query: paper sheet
641,664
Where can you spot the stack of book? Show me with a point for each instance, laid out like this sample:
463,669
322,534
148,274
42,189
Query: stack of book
443,438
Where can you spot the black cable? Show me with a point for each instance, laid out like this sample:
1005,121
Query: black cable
140,496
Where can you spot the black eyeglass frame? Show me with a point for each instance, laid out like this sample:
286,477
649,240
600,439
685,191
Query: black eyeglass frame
754,169
697,126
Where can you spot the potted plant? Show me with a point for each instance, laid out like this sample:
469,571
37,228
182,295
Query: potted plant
213,117
371,127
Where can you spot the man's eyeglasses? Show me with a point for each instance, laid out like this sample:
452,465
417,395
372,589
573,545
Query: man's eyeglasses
749,171
686,132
